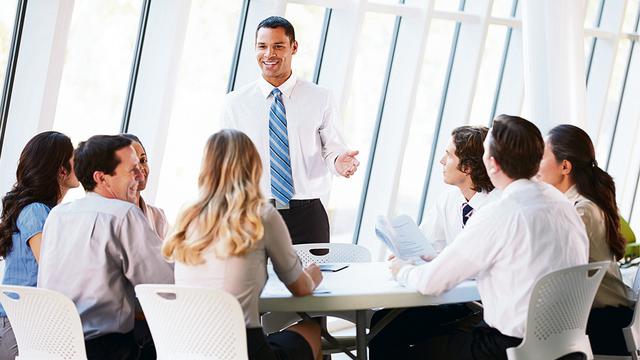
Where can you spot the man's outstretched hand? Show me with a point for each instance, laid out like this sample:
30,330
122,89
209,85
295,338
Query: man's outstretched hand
346,163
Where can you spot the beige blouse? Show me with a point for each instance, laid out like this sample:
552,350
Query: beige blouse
157,218
612,291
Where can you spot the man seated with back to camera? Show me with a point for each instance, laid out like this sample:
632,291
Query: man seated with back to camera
471,189
507,246
96,249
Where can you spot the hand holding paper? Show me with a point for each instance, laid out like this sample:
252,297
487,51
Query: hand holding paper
403,237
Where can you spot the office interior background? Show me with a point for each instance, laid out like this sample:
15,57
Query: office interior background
404,74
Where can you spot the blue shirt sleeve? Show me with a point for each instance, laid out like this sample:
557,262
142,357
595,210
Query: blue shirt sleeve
31,220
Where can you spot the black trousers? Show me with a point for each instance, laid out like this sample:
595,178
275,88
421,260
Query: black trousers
307,221
112,347
416,325
605,330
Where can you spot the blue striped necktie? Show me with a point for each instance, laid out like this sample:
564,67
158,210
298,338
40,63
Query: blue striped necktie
280,164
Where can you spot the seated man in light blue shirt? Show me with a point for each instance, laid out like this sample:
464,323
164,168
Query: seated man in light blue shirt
95,250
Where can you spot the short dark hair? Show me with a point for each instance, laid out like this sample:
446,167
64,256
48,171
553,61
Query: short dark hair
273,22
517,146
97,154
134,138
469,149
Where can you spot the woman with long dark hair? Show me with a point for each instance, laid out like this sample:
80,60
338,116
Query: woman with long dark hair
570,165
44,175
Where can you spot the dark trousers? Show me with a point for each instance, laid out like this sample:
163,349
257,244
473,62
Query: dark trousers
605,330
416,325
112,347
307,221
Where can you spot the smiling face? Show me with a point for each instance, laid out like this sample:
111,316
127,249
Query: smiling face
123,184
144,164
274,51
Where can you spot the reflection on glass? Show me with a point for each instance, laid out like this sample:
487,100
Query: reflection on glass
307,20
359,119
630,16
591,13
502,8
488,75
428,97
202,83
605,132
97,66
7,19
448,5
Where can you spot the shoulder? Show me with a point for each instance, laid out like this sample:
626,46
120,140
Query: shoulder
587,209
34,212
241,93
309,88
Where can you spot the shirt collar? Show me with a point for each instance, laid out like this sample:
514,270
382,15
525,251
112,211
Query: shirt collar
286,88
515,186
572,194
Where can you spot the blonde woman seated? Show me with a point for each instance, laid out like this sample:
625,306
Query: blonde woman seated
224,239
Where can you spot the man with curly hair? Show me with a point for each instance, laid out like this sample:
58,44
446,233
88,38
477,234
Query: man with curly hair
462,167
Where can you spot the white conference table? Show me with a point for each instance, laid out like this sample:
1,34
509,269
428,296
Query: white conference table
359,287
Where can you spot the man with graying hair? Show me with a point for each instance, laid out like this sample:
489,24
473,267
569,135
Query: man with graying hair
95,250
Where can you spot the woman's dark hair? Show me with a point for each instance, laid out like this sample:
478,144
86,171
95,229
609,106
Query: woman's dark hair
517,146
134,138
36,180
273,22
98,153
469,149
573,144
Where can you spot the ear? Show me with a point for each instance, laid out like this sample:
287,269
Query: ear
466,170
494,167
294,47
98,177
566,167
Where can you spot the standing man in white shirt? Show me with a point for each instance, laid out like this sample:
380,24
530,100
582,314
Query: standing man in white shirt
291,122
471,189
507,246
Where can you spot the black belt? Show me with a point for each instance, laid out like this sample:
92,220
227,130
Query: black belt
294,203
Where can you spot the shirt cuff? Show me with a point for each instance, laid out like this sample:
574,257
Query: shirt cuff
403,275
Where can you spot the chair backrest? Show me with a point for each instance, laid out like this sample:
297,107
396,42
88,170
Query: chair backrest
558,312
632,332
323,253
46,323
193,323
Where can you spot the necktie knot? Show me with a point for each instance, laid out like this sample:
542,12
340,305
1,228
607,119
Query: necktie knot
276,92
467,211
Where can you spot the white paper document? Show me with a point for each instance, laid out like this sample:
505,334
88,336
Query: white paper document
404,238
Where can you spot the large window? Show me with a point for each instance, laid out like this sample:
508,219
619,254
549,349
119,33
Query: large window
203,75
308,21
425,115
359,119
95,76
7,19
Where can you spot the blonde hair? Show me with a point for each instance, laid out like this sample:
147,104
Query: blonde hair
226,217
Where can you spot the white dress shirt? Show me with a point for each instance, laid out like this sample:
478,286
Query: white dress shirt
314,142
94,251
443,220
507,246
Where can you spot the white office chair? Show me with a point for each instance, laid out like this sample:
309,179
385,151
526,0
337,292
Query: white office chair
193,323
632,332
46,323
558,312
323,253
